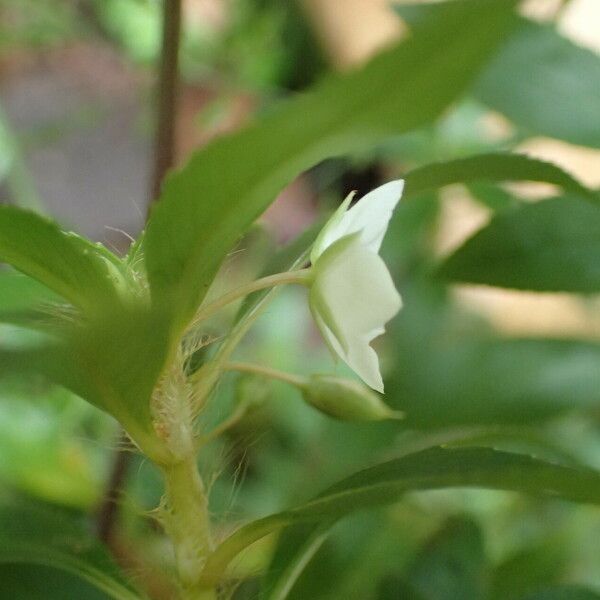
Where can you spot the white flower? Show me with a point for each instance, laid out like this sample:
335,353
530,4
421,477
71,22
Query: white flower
353,296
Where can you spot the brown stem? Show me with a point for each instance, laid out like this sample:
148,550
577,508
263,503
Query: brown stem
164,153
168,85
109,507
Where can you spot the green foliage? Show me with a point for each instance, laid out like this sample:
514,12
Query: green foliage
79,271
37,582
302,542
34,534
201,213
450,372
491,167
453,564
48,458
540,80
545,84
547,246
21,296
431,469
108,329
567,592
528,570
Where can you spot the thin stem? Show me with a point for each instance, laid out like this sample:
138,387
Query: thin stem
107,513
236,416
295,380
302,277
168,88
164,153
241,409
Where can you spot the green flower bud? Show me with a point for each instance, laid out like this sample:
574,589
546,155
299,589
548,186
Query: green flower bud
346,399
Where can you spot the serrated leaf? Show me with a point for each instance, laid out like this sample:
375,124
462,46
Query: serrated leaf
493,167
548,246
36,534
431,469
207,205
74,268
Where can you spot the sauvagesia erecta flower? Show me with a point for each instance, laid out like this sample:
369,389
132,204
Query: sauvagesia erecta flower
352,295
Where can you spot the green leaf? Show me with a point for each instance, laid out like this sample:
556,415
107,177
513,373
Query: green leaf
37,582
564,592
206,206
112,361
21,296
552,245
394,588
530,569
448,372
431,469
36,534
291,560
545,84
82,272
453,564
494,167
540,80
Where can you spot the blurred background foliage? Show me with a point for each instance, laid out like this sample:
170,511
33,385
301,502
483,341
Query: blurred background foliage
511,369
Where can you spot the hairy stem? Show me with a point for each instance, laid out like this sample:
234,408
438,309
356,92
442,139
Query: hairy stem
186,521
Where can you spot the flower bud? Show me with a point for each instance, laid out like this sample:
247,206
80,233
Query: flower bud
346,399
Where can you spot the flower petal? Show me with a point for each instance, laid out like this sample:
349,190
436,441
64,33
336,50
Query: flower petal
370,216
330,232
372,213
354,296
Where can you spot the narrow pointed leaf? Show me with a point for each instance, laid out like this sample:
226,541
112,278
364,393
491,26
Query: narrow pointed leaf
494,167
288,567
552,245
546,84
431,469
206,206
539,79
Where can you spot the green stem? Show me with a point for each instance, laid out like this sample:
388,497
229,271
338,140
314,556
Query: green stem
240,411
302,277
206,377
295,380
186,521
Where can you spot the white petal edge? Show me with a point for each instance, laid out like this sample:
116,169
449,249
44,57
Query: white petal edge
354,296
370,216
